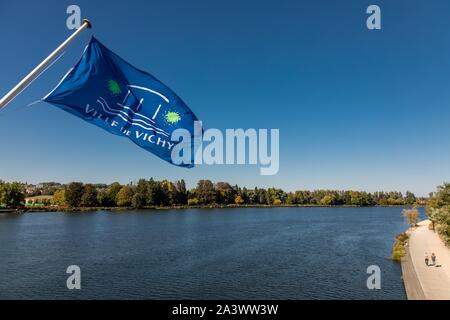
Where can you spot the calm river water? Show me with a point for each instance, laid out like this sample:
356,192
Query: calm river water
249,253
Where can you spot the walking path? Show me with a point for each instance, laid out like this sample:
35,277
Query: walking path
431,282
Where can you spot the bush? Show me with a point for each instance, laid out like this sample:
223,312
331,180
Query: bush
411,216
276,202
402,237
193,202
238,200
398,250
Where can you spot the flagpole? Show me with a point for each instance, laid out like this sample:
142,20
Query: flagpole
42,66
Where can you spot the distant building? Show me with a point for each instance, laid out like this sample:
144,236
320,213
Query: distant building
30,188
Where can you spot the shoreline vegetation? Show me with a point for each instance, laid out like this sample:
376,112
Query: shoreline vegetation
31,209
399,247
438,213
153,194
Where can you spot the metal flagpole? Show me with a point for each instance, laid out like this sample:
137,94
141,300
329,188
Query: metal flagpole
42,66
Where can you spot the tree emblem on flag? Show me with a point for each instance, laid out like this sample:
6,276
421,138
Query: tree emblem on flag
114,87
172,117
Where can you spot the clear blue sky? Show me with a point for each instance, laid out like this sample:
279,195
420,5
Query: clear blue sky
356,109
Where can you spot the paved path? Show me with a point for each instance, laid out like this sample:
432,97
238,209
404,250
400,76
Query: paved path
435,281
412,284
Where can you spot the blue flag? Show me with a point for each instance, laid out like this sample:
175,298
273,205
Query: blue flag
107,91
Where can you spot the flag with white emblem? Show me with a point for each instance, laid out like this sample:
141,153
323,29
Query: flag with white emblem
107,91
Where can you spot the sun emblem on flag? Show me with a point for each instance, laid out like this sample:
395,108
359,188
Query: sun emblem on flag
114,87
172,117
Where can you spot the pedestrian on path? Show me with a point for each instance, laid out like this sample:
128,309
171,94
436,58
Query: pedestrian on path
426,259
433,259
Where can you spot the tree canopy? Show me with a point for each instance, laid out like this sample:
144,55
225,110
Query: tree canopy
152,193
438,210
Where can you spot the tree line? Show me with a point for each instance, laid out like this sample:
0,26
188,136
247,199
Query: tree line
153,193
438,210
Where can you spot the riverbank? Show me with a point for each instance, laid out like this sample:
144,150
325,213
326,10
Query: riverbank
424,282
88,209
9,210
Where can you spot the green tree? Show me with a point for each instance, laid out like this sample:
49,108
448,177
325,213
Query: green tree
328,200
358,198
139,201
89,197
112,192
410,198
438,210
141,194
73,194
59,198
253,196
181,194
12,195
167,193
124,197
274,193
411,216
225,193
442,196
103,198
106,197
205,192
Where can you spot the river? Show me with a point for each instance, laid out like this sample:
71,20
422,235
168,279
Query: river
242,253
